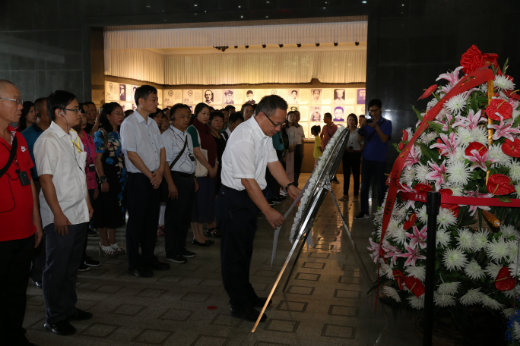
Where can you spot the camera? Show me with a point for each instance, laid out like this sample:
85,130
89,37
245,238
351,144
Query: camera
369,121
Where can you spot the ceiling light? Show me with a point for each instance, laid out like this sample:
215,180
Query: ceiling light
317,44
266,16
364,2
195,5
241,16
239,6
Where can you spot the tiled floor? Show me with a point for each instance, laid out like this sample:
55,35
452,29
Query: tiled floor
325,302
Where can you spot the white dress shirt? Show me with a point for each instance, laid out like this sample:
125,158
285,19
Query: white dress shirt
296,135
174,140
55,154
143,138
247,153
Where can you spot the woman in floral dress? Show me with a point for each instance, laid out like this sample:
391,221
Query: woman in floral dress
110,211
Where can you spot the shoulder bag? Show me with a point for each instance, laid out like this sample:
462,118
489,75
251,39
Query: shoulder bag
200,170
164,184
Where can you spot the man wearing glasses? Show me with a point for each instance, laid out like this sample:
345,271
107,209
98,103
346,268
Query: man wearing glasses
376,134
65,209
248,152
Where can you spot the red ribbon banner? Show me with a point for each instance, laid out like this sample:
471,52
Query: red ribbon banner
445,199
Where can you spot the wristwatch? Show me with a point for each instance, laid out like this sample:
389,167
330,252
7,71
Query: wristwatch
293,184
103,179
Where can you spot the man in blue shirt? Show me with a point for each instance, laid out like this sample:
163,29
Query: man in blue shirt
376,134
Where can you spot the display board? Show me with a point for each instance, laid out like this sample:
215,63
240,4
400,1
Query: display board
312,103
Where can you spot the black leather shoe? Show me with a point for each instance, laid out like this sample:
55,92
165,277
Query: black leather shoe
61,328
142,272
38,284
158,266
200,244
248,314
81,315
259,302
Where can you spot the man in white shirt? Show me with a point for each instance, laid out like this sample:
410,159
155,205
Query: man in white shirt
182,185
248,152
65,210
145,159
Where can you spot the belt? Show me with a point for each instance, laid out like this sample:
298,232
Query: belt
180,174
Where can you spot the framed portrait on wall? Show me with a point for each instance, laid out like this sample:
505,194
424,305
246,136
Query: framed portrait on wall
229,97
339,96
327,96
168,98
209,97
122,92
304,113
316,114
187,96
360,109
339,114
305,96
350,96
111,91
361,96
293,96
316,96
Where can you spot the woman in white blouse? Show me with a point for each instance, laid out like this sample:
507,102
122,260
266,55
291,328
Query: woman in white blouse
352,158
296,137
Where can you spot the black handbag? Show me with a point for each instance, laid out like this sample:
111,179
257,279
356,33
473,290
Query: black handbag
164,184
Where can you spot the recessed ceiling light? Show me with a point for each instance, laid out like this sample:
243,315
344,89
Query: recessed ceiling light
147,5
364,2
239,6
241,16
195,5
266,16
402,4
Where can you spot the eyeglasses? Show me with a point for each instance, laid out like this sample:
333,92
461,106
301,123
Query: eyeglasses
73,110
275,125
18,101
373,110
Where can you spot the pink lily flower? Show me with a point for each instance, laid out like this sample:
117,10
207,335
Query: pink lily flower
413,157
418,237
375,248
473,208
445,124
409,203
449,146
471,122
391,252
438,174
503,130
452,78
412,255
479,161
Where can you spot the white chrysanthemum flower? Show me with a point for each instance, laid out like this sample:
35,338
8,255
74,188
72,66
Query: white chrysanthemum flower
510,293
495,152
448,288
497,249
442,238
490,302
472,297
392,293
464,136
513,250
458,172
443,300
416,303
378,215
431,104
516,330
386,270
514,269
508,312
503,83
479,134
508,231
379,231
456,104
480,240
465,239
474,271
399,211
456,189
427,138
399,235
393,225
454,259
422,215
517,190
408,175
446,218
420,172
417,272
483,88
492,270
514,171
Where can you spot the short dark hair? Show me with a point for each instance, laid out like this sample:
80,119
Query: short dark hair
249,92
38,104
233,118
342,110
327,115
89,103
362,116
375,102
269,104
353,116
128,113
247,105
22,123
107,109
316,129
294,91
58,99
176,107
153,115
143,92
199,107
229,107
216,114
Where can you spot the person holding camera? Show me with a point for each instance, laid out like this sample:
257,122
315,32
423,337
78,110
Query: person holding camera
376,134
351,158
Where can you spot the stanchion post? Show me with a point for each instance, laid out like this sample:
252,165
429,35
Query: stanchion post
433,203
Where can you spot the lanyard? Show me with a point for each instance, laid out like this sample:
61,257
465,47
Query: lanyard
76,144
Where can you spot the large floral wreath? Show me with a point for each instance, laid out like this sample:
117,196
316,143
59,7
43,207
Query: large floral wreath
476,261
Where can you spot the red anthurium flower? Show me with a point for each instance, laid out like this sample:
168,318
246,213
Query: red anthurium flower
415,285
471,60
499,184
453,207
501,107
423,187
410,222
399,277
428,92
401,146
481,148
504,281
405,135
511,148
